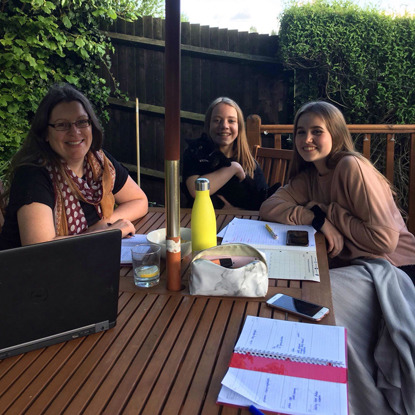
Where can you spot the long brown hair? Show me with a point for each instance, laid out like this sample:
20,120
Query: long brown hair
342,143
241,151
35,150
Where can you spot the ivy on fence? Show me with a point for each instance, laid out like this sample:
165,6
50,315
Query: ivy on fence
48,41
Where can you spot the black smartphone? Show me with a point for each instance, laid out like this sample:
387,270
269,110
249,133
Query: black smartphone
299,238
298,307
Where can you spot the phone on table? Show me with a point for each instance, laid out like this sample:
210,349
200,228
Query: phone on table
299,307
298,238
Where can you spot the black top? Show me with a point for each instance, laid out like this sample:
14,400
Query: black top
202,157
33,184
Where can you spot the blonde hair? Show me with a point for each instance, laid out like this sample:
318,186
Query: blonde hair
241,151
342,143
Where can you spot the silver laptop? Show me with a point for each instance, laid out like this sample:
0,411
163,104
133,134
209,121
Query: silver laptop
57,291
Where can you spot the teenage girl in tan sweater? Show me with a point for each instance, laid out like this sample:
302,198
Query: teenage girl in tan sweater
339,192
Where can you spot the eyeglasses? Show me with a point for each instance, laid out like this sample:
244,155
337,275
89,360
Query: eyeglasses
66,125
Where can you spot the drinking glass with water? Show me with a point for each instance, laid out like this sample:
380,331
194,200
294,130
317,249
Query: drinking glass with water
146,264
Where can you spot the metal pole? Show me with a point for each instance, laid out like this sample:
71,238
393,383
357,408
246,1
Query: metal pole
172,144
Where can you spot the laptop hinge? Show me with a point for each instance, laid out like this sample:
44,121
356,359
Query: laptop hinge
63,336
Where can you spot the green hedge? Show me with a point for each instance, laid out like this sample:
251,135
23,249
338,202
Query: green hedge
363,60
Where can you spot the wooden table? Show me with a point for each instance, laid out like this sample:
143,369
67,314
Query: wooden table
167,354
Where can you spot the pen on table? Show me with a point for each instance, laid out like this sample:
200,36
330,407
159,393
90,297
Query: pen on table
254,410
271,231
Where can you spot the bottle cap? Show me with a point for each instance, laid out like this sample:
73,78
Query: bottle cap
202,184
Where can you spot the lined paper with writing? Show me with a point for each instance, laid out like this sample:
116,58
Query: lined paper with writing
288,367
254,232
313,343
283,394
284,261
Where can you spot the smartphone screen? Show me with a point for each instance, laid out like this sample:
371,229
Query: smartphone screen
299,238
299,307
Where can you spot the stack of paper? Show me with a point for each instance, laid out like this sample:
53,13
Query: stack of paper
284,262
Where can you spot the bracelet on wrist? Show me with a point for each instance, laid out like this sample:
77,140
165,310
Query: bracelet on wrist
319,218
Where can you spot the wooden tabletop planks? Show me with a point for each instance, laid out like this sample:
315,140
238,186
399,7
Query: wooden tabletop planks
167,353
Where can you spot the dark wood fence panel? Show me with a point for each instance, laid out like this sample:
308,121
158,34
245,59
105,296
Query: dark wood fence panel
215,62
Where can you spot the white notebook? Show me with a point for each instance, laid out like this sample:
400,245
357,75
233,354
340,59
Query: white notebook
288,367
284,262
127,244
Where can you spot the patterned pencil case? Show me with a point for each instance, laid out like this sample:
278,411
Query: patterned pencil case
235,269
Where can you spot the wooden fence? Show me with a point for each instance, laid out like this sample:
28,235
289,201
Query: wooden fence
215,62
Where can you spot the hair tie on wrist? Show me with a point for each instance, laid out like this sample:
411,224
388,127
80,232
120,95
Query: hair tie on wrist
319,218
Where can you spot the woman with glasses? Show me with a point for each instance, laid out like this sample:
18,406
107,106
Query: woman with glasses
62,182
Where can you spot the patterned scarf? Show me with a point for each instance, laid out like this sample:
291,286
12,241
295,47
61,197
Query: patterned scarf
95,188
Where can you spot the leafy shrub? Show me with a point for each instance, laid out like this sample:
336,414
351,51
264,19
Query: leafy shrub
360,59
48,41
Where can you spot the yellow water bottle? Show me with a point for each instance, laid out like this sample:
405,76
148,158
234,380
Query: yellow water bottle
203,218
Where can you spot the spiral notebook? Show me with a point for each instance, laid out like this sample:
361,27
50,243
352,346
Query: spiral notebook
288,367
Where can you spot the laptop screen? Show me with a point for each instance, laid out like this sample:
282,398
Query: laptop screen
58,290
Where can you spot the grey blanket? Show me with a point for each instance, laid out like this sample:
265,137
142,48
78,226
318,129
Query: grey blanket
375,301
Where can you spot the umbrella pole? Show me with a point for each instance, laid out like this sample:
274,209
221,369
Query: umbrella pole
172,144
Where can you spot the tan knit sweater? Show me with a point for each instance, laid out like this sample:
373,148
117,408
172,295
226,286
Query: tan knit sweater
357,201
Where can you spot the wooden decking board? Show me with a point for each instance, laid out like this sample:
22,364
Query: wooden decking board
219,222
280,283
267,311
6,365
56,386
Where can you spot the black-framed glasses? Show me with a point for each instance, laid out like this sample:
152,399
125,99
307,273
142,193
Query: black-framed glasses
66,125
